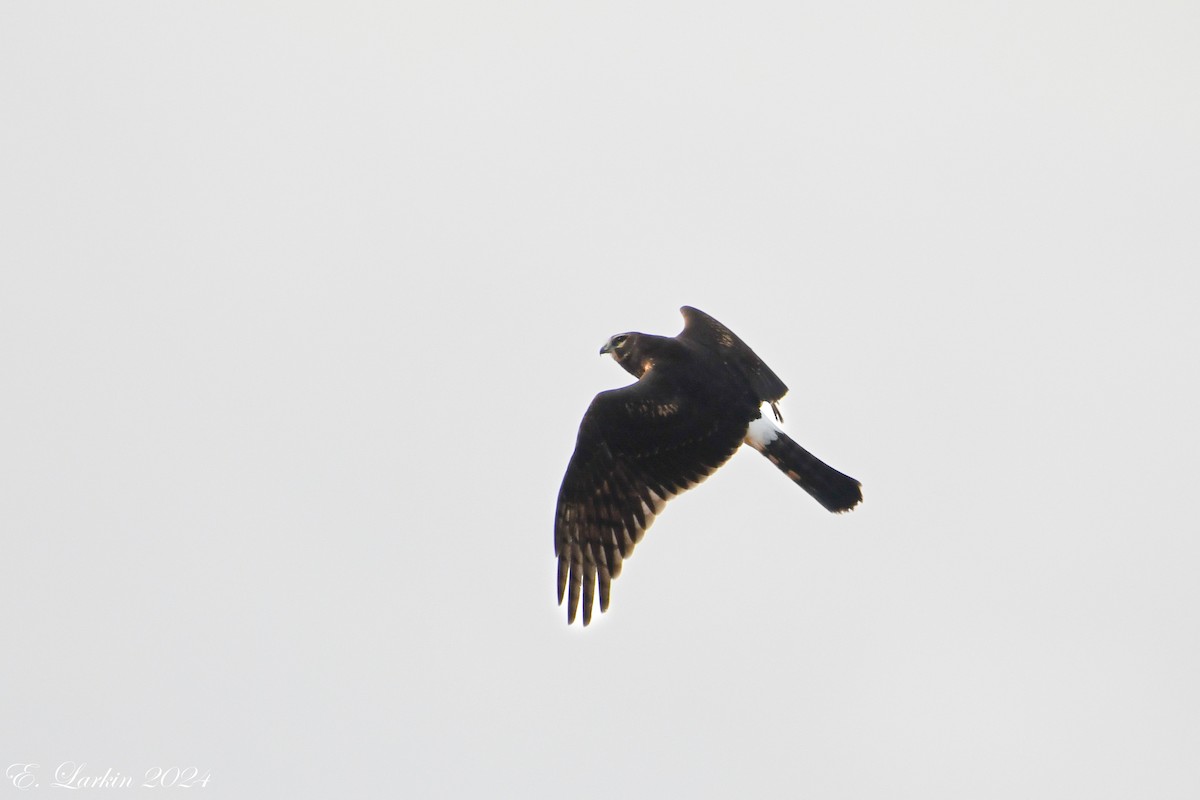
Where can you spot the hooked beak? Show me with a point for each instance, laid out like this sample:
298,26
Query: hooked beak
606,349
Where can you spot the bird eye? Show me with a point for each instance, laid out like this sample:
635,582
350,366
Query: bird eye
619,340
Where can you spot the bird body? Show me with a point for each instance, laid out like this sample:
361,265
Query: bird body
698,397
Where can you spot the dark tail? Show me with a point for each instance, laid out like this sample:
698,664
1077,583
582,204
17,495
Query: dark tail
832,489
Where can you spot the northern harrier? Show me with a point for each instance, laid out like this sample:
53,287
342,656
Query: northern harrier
697,398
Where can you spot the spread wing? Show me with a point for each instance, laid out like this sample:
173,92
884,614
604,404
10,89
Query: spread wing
703,330
638,447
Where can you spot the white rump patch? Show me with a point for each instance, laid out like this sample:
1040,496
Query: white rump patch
761,433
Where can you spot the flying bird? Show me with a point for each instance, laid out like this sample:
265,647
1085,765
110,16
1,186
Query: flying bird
697,398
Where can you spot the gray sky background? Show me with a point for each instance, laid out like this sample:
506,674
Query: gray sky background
299,310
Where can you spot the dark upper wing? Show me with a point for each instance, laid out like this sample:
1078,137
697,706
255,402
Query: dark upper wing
702,329
637,447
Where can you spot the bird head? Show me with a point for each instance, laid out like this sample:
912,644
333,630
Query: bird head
619,346
626,350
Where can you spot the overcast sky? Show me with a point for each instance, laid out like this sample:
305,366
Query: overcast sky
300,306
